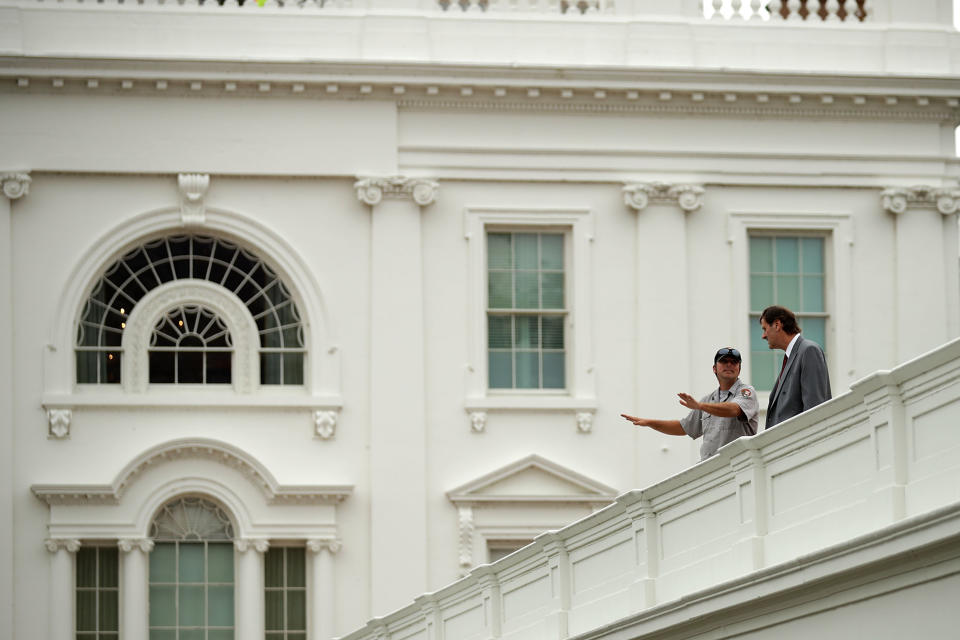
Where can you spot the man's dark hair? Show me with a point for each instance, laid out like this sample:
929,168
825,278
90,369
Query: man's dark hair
784,315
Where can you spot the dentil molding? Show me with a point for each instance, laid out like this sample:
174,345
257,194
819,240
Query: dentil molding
15,184
373,190
898,200
59,422
637,195
193,188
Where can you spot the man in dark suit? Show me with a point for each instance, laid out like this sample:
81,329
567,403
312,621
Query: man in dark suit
803,382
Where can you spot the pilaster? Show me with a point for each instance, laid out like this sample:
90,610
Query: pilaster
60,616
249,616
662,314
15,185
397,411
927,296
322,606
646,542
135,601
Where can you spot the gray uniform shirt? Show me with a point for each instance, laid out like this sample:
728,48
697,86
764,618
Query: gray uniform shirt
717,431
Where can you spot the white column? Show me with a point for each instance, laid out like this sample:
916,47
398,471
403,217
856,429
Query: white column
60,618
662,321
14,186
926,263
398,544
249,611
321,605
135,598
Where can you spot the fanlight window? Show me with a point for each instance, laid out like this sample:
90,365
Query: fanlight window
183,257
191,572
190,344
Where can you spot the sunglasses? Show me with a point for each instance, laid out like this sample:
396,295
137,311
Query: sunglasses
727,352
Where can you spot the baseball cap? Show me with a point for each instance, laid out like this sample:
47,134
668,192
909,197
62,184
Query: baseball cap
727,351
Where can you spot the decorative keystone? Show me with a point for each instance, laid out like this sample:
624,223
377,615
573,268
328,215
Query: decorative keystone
59,422
193,188
638,195
15,185
898,200
372,191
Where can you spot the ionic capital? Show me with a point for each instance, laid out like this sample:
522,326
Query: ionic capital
637,195
129,544
372,191
55,544
15,184
898,200
260,545
316,545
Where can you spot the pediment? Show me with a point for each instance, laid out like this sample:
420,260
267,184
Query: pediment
532,479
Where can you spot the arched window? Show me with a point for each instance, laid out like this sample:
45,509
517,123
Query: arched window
190,257
191,572
190,344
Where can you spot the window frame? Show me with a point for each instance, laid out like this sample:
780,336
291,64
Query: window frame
837,230
577,225
97,547
285,589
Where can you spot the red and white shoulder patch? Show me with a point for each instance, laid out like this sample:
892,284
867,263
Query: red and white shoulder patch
746,393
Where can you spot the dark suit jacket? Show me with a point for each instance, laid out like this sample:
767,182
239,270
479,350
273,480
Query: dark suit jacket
803,385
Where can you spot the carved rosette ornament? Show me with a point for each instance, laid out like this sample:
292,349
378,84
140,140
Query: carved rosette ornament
325,424
372,191
478,421
638,195
55,544
193,187
59,422
584,422
316,545
15,185
129,544
898,200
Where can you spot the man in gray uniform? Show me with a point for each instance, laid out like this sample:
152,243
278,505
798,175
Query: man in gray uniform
721,417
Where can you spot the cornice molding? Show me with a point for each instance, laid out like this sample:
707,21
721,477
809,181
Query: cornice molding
15,184
898,200
637,195
372,190
213,450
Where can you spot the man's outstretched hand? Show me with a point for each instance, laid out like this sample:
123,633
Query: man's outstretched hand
688,401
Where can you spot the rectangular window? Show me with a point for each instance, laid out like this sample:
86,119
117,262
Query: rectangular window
191,591
786,270
526,310
285,582
97,593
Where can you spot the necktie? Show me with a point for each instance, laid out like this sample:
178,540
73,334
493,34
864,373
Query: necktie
782,367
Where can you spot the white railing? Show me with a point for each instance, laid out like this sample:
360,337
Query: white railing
565,7
884,452
848,11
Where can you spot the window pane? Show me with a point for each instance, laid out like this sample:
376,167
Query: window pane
552,290
86,610
501,369
163,608
110,364
552,332
219,562
812,255
528,333
86,366
296,610
87,567
191,634
220,607
273,568
218,367
162,367
499,253
761,292
163,562
293,368
812,293
109,611
788,291
191,563
787,251
815,329
499,332
163,634
274,611
551,251
757,343
500,290
553,371
189,367
528,295
761,254
528,370
296,567
764,367
270,368
220,634
525,250
191,603
109,569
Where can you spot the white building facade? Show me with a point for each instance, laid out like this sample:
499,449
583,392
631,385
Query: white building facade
313,307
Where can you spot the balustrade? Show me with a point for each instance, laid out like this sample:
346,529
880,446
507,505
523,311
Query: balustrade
849,11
